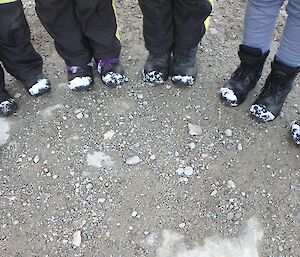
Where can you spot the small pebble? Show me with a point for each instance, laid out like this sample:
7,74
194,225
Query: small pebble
36,159
228,132
195,130
133,160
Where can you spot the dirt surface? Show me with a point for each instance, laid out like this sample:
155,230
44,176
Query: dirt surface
115,172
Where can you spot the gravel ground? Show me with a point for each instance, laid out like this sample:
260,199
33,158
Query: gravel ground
148,171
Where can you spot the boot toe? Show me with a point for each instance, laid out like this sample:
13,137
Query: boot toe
154,77
113,79
228,96
295,131
41,87
183,80
80,83
261,113
8,107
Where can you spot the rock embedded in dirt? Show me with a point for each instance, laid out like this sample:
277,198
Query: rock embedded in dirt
77,238
195,130
228,132
133,160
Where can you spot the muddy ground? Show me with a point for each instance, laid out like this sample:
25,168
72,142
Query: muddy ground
115,172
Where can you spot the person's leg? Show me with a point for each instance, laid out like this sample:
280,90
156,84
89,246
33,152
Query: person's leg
7,103
259,26
17,53
289,49
285,68
189,17
260,23
59,19
158,27
98,23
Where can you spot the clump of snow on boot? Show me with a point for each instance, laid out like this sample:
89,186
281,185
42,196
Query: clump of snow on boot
39,88
80,83
114,79
4,131
261,113
153,77
7,107
228,95
186,80
295,131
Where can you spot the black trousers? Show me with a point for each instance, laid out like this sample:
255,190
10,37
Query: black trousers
16,51
81,29
173,23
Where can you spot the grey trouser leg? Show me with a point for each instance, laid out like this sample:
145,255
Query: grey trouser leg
289,49
260,23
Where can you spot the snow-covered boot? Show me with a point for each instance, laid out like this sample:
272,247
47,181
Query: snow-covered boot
245,77
111,72
37,85
80,78
156,68
279,83
184,67
8,105
295,131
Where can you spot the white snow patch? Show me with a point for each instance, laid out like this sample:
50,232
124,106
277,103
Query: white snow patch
99,160
261,113
244,246
46,113
229,95
80,82
4,131
188,80
41,85
295,131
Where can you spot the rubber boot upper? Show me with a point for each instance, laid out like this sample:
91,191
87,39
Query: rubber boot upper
278,85
245,77
156,68
184,66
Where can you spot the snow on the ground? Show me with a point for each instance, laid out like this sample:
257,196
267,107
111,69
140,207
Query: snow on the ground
99,160
4,131
246,245
46,113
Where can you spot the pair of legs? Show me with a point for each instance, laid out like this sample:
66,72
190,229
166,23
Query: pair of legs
173,27
18,55
83,30
259,27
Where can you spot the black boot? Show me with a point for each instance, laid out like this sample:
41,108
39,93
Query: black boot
80,78
8,105
295,131
279,83
37,85
156,69
111,71
245,77
184,67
